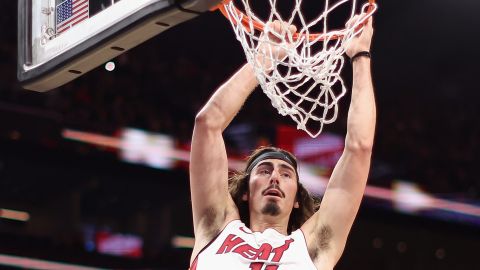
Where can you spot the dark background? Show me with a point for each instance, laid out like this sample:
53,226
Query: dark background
425,69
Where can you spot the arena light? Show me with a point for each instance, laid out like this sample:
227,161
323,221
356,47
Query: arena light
29,263
91,138
14,215
183,241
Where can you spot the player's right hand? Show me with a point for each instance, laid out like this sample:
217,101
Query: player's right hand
275,41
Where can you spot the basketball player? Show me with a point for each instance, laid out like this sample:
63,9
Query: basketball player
266,220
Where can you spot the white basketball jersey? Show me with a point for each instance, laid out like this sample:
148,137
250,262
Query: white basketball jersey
238,248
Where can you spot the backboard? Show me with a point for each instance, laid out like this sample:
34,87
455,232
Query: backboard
60,40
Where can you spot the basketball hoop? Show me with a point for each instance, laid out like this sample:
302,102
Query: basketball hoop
306,83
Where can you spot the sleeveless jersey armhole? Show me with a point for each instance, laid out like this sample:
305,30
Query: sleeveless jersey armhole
301,234
194,263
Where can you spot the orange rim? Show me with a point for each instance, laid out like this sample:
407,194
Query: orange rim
258,25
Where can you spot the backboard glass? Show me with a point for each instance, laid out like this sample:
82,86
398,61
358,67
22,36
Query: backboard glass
60,40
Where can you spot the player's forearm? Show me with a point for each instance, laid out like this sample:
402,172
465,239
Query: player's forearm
362,112
227,101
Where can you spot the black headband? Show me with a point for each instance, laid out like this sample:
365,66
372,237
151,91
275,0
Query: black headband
272,155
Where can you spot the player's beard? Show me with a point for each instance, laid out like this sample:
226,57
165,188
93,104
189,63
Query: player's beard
271,208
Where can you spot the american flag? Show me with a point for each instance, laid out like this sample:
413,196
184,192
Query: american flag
71,12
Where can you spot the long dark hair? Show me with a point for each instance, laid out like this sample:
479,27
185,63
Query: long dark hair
238,186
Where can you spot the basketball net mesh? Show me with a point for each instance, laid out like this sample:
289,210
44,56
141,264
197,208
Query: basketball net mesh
306,83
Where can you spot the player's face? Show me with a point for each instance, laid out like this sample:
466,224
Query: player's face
273,188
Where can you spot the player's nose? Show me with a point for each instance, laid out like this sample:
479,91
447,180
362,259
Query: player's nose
274,178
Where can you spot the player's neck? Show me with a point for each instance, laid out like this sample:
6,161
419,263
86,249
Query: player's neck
261,223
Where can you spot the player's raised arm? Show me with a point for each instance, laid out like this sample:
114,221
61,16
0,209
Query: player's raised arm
327,230
211,202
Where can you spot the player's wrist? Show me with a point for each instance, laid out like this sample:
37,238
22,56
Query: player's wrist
363,54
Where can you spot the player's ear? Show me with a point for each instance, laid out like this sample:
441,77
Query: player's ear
296,205
245,197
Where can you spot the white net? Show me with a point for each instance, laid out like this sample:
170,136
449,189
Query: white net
305,83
